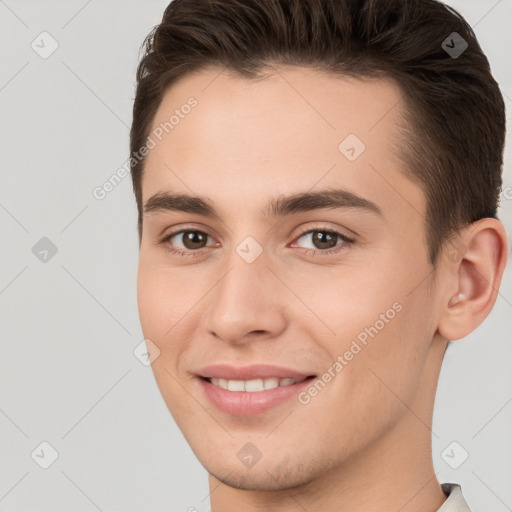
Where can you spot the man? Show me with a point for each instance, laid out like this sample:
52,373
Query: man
317,187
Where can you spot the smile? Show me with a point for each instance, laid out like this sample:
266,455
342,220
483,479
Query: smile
254,385
251,397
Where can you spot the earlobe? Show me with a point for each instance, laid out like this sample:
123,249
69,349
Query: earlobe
475,279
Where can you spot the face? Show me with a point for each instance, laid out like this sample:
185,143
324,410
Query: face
256,284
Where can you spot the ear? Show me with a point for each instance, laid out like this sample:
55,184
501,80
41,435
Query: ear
476,262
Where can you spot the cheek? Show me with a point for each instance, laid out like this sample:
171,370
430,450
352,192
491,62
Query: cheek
162,302
151,300
163,298
170,308
379,331
351,304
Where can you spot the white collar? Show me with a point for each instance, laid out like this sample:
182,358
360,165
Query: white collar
455,501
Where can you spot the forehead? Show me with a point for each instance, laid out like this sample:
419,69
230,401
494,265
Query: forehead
288,132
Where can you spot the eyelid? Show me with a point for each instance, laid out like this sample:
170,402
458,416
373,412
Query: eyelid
176,228
166,238
322,226
346,242
319,226
172,231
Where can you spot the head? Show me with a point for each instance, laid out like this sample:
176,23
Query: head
347,119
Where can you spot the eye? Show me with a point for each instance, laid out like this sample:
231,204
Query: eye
192,242
186,242
325,241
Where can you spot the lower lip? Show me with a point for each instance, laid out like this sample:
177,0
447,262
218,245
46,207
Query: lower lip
244,403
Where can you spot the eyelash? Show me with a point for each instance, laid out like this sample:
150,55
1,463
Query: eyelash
310,252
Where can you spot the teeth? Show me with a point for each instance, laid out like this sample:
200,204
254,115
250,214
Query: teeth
236,385
253,385
271,383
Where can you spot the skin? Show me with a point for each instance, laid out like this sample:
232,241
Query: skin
364,442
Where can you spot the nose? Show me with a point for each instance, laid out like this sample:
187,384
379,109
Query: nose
248,303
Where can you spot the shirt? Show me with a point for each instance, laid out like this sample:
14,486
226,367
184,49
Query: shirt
455,502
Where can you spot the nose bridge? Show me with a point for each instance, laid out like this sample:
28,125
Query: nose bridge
245,298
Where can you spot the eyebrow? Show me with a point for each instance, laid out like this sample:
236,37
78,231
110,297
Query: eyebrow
276,207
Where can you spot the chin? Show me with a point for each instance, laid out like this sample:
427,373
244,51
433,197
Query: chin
265,475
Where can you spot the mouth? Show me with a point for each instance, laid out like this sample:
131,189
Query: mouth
254,396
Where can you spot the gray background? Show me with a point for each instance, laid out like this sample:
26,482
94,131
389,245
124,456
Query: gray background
70,324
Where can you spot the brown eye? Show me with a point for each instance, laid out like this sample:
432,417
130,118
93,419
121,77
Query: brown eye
323,242
324,239
193,239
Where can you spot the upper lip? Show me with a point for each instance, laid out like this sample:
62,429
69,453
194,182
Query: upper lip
254,371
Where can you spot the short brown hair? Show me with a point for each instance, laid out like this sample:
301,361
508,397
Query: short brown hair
454,130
